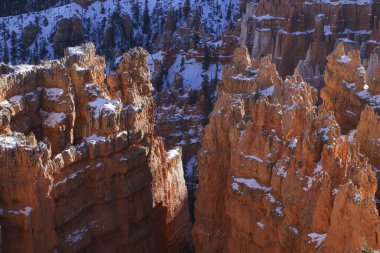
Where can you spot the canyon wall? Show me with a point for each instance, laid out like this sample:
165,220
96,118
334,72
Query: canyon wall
281,176
80,167
302,33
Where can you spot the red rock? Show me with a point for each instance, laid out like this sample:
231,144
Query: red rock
280,177
82,168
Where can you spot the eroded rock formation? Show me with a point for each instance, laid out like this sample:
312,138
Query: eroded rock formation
346,91
80,168
302,33
280,175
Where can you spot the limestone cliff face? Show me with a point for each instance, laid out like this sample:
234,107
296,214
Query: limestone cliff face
280,175
80,168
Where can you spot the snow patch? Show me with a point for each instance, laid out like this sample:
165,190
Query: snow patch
252,184
105,105
268,91
317,238
26,211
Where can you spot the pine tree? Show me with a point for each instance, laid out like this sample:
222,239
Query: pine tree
43,50
182,64
102,9
136,13
1,49
45,22
186,8
206,92
206,58
14,46
6,53
229,11
196,40
146,17
36,53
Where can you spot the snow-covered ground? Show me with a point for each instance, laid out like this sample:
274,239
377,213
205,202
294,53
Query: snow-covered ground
95,21
191,71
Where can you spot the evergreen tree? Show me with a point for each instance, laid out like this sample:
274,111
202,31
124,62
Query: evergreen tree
186,8
1,50
102,9
43,50
45,22
196,40
6,53
36,53
136,13
229,11
207,92
206,58
13,46
182,64
146,19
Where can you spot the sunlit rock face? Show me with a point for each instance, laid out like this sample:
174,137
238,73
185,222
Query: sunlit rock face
80,168
346,92
281,176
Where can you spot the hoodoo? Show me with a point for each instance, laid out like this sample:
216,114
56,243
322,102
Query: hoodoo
80,168
162,126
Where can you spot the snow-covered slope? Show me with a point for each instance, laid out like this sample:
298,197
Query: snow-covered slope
215,15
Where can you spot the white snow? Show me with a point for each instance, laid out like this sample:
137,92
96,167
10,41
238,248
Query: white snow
340,2
104,105
9,141
190,165
351,135
270,197
191,66
268,91
253,157
53,118
293,143
242,77
297,33
317,238
75,51
252,183
344,59
22,68
294,230
279,210
54,93
25,211
357,197
95,138
67,178
77,235
281,172
327,30
235,186
173,153
15,99
266,17
317,175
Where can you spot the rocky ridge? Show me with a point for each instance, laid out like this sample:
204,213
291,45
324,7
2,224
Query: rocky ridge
81,169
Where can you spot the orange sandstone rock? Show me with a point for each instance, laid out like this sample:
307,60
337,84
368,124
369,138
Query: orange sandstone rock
80,168
276,176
